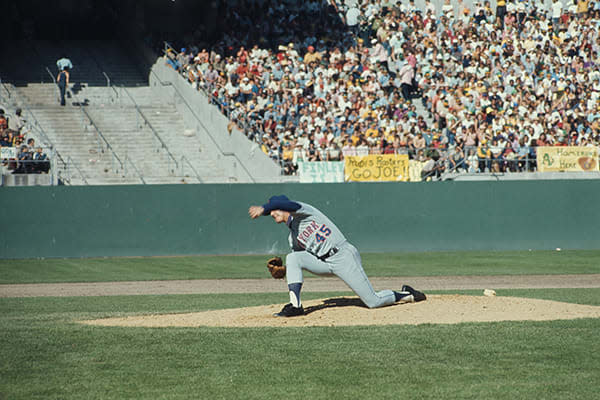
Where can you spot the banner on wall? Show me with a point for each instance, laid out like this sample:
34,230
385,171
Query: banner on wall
8,152
556,159
377,168
321,171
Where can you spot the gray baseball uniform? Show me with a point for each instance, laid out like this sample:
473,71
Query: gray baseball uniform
321,248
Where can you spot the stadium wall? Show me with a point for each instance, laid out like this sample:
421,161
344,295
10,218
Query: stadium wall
145,220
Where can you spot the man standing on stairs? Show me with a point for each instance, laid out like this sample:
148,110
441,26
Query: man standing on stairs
63,82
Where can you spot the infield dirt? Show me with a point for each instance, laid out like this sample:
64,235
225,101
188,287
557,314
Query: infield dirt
347,311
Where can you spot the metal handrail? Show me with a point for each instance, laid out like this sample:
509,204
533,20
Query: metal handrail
73,163
108,83
147,122
99,132
137,171
56,90
185,160
5,88
107,78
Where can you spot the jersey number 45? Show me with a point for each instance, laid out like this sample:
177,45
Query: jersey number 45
325,231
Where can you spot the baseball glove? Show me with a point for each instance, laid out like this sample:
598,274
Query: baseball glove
276,267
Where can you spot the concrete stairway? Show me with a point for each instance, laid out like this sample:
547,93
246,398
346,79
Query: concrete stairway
112,111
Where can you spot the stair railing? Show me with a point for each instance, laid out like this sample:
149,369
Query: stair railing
8,94
70,165
116,93
135,169
185,161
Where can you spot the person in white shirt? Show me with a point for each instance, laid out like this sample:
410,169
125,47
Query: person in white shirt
352,17
429,6
556,11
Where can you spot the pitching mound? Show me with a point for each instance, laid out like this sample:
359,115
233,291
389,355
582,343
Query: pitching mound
346,311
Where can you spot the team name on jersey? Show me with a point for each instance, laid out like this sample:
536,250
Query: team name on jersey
309,230
312,228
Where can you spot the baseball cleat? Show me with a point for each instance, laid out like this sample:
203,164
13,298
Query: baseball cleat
418,296
290,311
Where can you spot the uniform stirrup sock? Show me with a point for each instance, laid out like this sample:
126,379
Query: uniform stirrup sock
404,296
295,294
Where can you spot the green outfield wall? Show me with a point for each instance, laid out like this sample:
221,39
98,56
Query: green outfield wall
96,221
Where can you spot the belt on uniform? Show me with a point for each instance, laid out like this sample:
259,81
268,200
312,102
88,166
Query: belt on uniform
330,253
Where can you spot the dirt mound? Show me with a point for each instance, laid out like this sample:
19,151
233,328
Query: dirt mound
346,311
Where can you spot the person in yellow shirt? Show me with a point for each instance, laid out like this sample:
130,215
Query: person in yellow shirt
583,7
373,130
288,156
312,56
288,152
389,135
484,155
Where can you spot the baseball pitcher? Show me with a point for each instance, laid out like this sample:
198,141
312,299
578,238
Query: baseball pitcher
321,248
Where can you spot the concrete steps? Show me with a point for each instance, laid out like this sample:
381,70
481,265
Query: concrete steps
168,121
113,112
74,138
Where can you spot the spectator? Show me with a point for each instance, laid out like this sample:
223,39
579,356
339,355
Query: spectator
5,141
484,156
41,162
62,81
500,12
3,121
24,157
17,122
430,168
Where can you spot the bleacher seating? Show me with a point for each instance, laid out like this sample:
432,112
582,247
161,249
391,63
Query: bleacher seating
456,88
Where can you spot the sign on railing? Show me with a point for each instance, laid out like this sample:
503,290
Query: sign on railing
321,171
571,159
8,152
383,167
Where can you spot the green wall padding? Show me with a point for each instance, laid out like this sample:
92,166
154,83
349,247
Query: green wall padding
96,221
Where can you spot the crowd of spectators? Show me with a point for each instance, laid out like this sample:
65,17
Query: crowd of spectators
28,159
321,80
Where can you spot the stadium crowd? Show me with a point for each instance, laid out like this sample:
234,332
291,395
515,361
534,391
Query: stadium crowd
27,159
463,89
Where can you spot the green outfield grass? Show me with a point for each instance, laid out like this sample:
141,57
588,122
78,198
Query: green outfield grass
223,267
47,355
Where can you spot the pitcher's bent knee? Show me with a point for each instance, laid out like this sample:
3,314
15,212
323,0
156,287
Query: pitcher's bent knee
293,269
